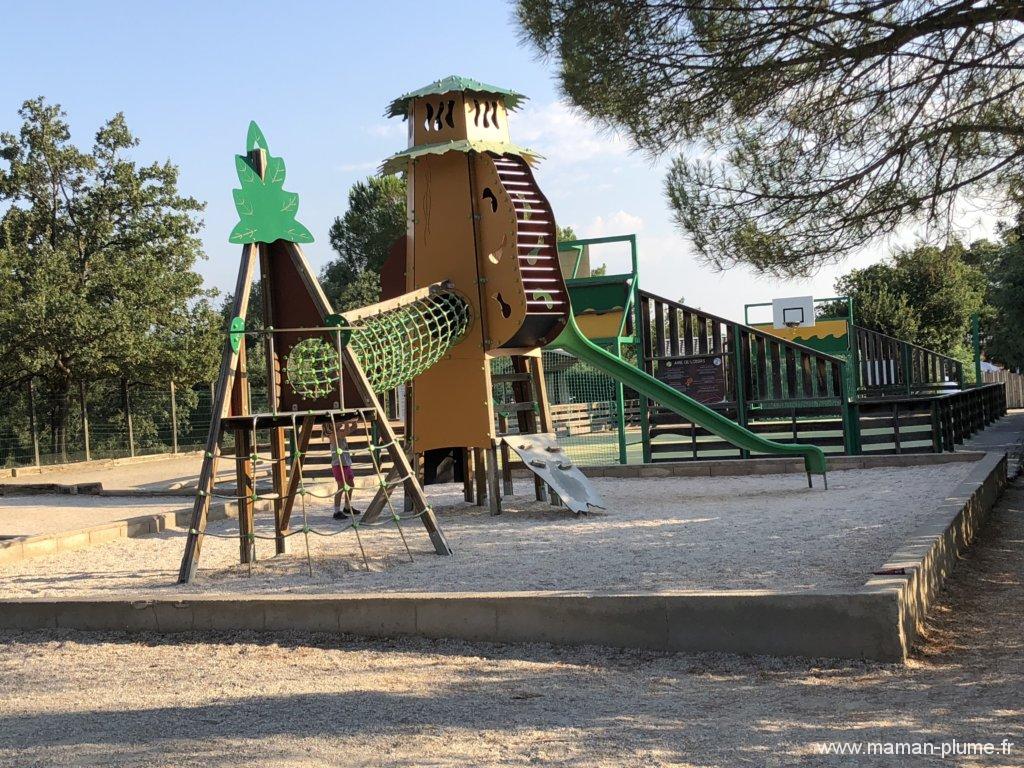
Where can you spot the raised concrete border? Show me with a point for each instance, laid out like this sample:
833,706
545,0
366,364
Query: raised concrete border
39,545
764,466
915,573
877,621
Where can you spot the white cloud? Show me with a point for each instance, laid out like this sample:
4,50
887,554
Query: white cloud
618,223
562,135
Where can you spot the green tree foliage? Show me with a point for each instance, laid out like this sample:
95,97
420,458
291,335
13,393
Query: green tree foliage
1002,320
96,263
362,238
810,129
924,295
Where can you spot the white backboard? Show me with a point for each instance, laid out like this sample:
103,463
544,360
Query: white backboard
795,311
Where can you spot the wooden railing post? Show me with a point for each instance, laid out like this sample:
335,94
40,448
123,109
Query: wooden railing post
739,375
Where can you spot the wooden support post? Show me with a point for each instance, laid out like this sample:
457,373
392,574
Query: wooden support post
467,474
174,419
246,488
506,470
32,425
480,470
278,472
85,419
127,402
244,447
493,481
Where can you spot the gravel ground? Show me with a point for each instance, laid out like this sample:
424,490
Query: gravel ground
754,532
304,701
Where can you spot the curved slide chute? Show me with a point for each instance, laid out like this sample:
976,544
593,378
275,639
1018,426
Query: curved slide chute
573,341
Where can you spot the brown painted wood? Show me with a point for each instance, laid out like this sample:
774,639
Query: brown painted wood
219,409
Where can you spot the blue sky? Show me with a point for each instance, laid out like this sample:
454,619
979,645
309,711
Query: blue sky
317,76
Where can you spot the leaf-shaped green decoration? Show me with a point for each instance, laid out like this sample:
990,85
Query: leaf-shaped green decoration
266,211
255,139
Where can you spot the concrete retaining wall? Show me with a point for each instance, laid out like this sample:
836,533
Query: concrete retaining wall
916,571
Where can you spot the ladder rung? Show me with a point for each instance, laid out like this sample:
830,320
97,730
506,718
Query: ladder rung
514,407
501,378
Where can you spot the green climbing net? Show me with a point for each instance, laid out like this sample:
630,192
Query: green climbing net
395,346
313,368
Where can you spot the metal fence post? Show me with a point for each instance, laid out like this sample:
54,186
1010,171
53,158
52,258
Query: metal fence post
128,416
174,419
85,419
620,410
32,420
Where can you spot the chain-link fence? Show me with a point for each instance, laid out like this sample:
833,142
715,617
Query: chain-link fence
42,425
595,420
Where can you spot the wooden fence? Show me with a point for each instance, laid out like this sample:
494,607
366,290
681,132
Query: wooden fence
585,418
1014,383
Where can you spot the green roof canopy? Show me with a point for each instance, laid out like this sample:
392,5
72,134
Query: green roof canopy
400,106
400,160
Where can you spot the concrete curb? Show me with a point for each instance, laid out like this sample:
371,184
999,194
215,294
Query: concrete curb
915,573
24,547
763,466
878,621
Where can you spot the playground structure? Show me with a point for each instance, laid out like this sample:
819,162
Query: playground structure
479,286
483,281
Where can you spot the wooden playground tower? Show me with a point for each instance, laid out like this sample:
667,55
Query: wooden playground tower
478,218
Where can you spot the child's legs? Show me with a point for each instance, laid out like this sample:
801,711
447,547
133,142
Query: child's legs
339,478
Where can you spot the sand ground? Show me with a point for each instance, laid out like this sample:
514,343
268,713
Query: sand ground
751,532
234,700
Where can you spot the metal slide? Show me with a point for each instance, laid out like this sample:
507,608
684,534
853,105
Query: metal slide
574,342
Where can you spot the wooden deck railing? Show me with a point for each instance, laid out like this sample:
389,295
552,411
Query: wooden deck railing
761,369
887,365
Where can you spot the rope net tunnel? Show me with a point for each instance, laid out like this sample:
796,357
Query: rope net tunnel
398,344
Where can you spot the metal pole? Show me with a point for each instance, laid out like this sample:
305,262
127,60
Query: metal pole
620,408
128,416
32,420
85,419
174,419
976,339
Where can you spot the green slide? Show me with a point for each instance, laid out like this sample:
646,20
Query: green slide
573,341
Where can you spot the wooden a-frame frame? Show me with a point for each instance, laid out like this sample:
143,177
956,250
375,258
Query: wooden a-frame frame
281,261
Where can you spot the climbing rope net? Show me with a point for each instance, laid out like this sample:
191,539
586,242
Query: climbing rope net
393,347
309,492
396,346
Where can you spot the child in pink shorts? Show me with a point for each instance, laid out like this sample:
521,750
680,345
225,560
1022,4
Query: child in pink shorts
341,467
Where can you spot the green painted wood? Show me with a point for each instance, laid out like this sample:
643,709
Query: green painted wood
266,212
